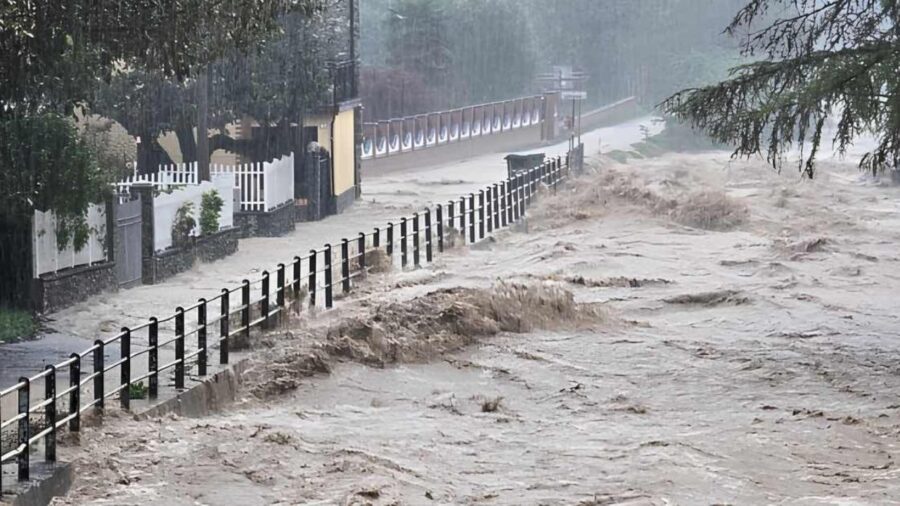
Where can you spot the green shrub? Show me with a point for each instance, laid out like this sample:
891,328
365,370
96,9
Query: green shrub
183,225
15,324
210,209
137,390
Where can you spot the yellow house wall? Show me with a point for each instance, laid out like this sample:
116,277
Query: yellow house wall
323,126
344,151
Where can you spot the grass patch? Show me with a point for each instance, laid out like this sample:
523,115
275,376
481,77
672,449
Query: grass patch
675,137
621,156
16,324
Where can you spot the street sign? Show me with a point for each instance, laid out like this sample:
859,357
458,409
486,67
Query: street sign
573,95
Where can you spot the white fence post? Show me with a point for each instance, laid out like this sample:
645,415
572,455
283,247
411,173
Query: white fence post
279,182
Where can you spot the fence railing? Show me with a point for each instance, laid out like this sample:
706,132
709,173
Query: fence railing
401,135
185,342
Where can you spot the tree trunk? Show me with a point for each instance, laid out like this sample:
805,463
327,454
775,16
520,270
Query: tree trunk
242,147
271,142
186,141
202,130
150,155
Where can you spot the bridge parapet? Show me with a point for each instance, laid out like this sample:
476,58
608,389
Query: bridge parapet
402,135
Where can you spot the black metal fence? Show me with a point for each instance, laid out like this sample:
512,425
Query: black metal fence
119,366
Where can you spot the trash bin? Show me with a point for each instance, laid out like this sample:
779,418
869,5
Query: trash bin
521,163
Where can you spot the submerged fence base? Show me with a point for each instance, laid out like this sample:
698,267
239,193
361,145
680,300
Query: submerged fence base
164,351
204,398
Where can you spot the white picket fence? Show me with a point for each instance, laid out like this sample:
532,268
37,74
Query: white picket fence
47,255
166,205
167,177
249,179
279,182
263,185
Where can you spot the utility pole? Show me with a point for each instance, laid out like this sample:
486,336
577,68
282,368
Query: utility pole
202,129
353,31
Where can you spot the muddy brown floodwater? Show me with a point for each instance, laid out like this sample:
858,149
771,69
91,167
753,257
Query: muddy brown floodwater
682,330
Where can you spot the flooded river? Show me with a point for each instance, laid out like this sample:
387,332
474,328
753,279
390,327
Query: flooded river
742,350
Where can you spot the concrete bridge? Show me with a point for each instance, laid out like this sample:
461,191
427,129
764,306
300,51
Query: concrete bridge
459,134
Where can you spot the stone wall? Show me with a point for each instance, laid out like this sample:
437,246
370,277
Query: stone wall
217,246
302,213
164,265
54,291
275,223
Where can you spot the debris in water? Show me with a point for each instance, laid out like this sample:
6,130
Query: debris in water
369,493
491,405
620,281
377,261
715,298
279,438
284,373
813,245
710,210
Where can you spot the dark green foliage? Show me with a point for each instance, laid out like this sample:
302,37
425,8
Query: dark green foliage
15,324
54,52
277,85
210,210
45,165
183,225
72,228
817,61
137,390
147,105
274,85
